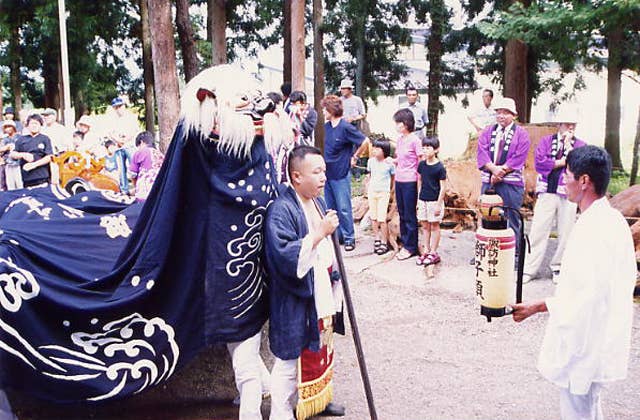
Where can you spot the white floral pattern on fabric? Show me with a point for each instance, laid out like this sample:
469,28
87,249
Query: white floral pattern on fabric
116,226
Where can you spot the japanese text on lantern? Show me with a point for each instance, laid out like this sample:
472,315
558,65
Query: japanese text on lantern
481,253
493,245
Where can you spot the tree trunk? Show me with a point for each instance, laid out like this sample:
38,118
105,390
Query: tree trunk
187,40
147,66
515,76
434,55
297,45
318,72
217,23
16,82
80,107
615,41
286,24
360,63
636,150
51,73
164,68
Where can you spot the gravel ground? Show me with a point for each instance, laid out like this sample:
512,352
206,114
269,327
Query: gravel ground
430,354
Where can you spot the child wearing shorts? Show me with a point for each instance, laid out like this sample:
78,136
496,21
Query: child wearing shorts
381,170
431,200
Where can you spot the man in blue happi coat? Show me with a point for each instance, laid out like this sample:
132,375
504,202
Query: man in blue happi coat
305,293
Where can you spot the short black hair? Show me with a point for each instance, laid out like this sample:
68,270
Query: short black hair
431,141
297,95
406,117
36,117
384,145
285,88
489,91
298,154
593,161
109,143
145,137
275,97
410,87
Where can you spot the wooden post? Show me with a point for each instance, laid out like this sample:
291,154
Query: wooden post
318,72
297,45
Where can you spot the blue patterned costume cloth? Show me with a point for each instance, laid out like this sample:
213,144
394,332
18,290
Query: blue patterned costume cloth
102,297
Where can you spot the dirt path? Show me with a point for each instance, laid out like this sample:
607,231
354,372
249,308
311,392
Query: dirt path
431,355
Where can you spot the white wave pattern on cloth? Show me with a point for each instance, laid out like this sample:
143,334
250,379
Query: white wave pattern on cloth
126,338
146,367
117,197
246,252
16,285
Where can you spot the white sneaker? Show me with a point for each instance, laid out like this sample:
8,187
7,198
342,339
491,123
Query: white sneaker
526,278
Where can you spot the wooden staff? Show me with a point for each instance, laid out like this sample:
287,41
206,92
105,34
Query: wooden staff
354,327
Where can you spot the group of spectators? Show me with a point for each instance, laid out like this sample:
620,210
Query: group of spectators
27,148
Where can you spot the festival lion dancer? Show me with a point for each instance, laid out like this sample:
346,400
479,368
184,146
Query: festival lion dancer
156,283
224,109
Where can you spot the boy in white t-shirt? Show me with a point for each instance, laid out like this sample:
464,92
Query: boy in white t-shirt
381,170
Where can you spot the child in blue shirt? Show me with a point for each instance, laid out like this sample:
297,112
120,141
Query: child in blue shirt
381,170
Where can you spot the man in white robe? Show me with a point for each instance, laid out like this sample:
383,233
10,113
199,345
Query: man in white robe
588,335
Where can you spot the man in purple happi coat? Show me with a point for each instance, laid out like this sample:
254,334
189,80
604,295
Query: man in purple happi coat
502,152
552,203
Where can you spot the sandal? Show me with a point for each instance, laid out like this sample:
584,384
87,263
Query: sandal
349,246
382,249
376,245
432,258
422,258
404,255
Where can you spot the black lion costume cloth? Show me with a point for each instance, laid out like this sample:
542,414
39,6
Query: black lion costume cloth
101,297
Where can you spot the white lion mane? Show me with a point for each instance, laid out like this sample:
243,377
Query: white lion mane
229,84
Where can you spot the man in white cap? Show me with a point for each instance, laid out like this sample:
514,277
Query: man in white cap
502,153
124,130
552,204
90,142
61,137
352,105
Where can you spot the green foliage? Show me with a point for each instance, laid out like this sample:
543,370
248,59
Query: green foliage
571,33
378,28
99,41
619,182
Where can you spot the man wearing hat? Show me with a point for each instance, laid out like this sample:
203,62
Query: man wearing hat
352,105
10,114
61,137
502,153
552,204
125,128
11,169
90,142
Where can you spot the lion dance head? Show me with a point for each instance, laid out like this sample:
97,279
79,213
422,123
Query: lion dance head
227,102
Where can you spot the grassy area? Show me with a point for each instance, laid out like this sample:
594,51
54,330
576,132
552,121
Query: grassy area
619,182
